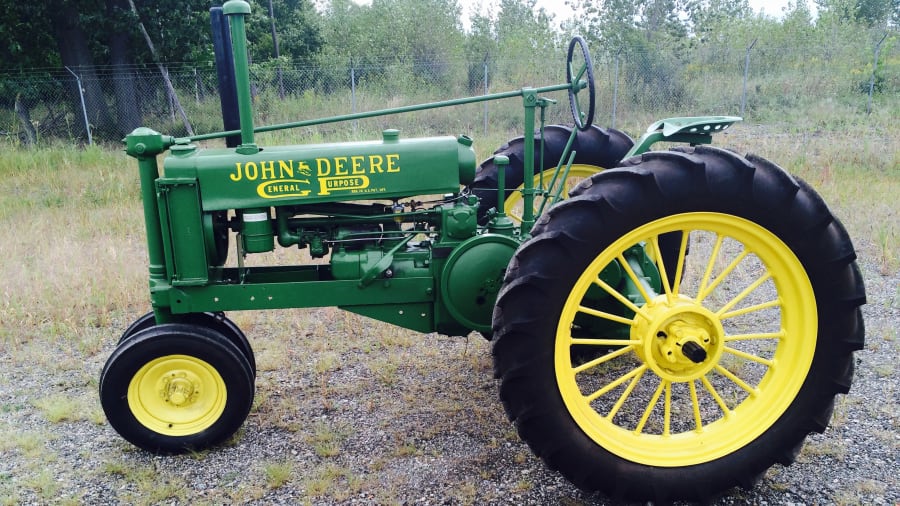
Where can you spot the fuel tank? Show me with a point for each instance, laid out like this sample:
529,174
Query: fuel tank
301,174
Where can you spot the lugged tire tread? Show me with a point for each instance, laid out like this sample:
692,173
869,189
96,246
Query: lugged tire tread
609,203
595,146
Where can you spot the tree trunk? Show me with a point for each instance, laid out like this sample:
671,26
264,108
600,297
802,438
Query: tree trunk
74,52
30,137
164,71
128,115
277,53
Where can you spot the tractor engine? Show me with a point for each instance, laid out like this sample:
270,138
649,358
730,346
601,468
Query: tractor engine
380,211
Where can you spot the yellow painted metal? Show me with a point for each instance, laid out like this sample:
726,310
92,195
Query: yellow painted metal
700,422
177,395
577,173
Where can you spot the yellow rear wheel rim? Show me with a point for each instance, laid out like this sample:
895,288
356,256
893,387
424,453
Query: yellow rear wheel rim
743,301
577,173
177,395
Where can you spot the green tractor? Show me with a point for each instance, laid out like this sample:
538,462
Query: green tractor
666,325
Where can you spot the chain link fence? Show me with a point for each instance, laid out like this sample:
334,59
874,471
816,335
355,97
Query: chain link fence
760,82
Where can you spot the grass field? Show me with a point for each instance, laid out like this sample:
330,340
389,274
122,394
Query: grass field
74,275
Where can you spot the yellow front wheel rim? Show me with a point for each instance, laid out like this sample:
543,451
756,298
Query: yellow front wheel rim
711,362
177,395
577,173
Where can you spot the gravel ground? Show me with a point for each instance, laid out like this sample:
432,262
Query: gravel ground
351,411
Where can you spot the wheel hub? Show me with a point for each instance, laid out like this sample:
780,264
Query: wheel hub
680,339
179,390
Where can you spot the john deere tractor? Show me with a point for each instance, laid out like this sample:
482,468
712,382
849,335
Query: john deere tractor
665,325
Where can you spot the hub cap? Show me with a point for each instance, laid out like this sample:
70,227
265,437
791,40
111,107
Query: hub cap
177,395
680,340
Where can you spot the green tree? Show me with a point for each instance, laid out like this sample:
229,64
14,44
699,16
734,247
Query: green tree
71,23
120,22
180,30
28,46
870,13
798,20
652,36
710,20
611,23
524,30
481,50
297,26
629,24
424,35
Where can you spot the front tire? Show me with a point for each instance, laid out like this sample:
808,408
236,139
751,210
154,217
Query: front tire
175,387
216,321
726,369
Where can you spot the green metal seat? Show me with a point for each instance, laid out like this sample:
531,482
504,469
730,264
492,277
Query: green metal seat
691,129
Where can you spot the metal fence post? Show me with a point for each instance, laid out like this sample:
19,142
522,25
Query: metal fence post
746,75
615,101
485,92
353,95
874,70
87,125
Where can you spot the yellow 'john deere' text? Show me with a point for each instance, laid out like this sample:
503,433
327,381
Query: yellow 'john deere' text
265,170
357,165
283,178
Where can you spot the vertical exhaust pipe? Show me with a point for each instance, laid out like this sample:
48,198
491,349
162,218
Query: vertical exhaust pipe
236,11
221,36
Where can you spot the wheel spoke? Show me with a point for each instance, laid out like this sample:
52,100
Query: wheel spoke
605,342
622,398
695,404
747,291
667,410
749,356
737,381
619,297
750,309
667,289
679,270
709,265
651,405
724,274
622,379
634,279
599,360
577,77
605,315
718,398
764,335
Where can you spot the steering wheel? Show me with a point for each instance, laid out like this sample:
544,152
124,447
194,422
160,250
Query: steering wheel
578,70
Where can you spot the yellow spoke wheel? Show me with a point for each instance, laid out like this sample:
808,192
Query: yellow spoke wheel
652,370
176,387
674,321
577,173
595,149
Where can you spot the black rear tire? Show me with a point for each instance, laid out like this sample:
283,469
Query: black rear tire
639,423
596,147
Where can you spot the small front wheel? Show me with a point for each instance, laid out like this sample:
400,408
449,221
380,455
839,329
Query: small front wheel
216,321
176,387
